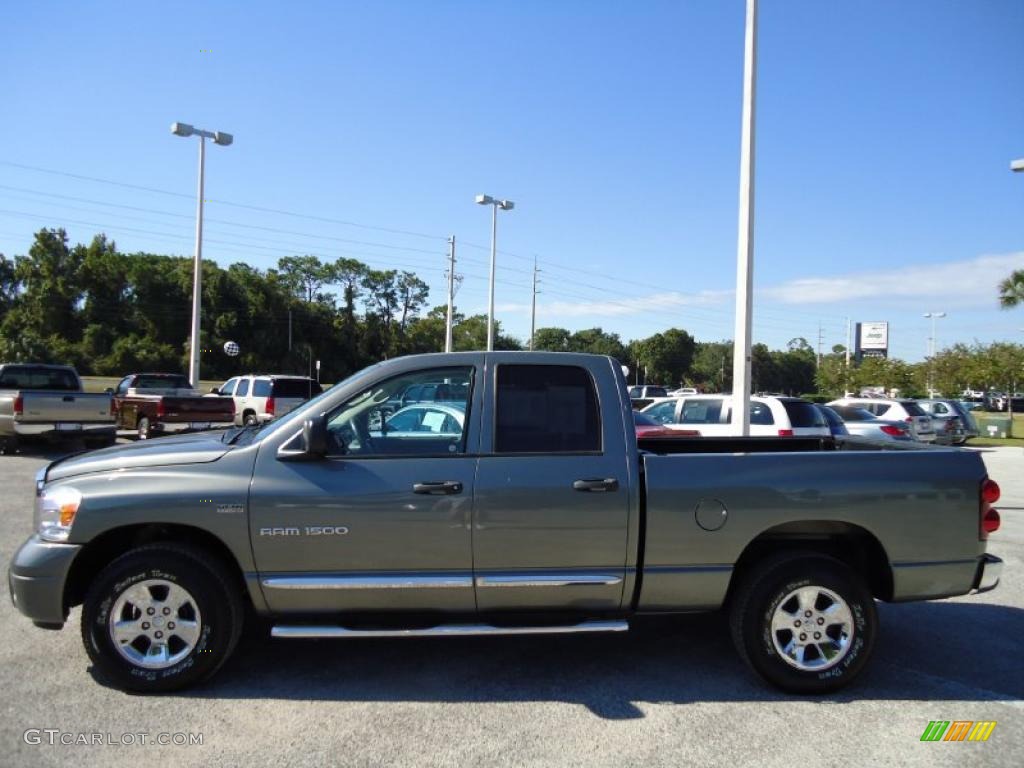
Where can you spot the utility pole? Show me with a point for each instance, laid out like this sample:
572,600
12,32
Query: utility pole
820,339
289,330
451,295
846,378
745,241
533,306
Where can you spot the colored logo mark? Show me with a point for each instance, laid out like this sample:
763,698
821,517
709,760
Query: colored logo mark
958,730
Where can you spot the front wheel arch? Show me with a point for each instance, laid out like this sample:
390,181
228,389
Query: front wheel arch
109,545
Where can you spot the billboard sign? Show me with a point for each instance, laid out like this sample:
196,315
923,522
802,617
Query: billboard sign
872,339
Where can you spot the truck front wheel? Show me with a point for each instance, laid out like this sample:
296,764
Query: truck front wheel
805,623
161,617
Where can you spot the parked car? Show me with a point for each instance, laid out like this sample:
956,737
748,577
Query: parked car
836,425
545,515
953,423
40,401
863,423
258,398
904,410
682,391
648,427
711,415
644,394
427,420
153,404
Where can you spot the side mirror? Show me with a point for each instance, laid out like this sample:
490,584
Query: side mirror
109,391
308,445
314,437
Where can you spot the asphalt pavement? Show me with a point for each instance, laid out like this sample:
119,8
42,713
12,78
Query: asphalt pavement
667,693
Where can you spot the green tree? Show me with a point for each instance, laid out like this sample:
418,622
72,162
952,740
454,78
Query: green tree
711,370
1011,290
552,339
666,357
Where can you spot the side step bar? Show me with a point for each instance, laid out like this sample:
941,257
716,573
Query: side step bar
446,630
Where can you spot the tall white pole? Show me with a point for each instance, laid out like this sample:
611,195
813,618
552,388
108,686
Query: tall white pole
494,253
451,295
745,245
197,279
533,305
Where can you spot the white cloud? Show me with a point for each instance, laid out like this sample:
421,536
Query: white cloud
969,283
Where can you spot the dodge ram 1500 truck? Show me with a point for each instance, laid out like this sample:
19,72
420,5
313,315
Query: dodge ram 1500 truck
522,503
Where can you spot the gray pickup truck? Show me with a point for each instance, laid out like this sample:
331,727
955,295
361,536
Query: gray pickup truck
47,402
516,500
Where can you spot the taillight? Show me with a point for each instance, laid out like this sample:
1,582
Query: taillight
270,406
988,517
113,407
889,429
160,411
785,433
990,491
19,405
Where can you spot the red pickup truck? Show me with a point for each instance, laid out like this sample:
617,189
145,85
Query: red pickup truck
159,403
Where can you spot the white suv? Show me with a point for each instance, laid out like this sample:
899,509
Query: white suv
921,427
709,415
260,398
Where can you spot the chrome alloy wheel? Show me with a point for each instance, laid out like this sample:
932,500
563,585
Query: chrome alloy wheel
812,629
155,624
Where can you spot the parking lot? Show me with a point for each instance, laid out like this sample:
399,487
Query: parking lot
672,692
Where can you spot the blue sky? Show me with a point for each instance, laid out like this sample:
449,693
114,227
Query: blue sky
885,132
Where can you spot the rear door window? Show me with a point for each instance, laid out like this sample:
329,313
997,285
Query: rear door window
243,388
546,409
803,414
261,388
701,411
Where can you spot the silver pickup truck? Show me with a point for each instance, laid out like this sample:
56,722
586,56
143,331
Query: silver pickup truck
515,499
47,401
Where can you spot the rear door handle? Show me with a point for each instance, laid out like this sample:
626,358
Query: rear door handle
608,484
445,488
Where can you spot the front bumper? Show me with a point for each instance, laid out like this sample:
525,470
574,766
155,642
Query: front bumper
990,570
36,579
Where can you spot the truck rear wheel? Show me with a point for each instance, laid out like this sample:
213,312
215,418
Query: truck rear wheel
806,623
142,428
161,617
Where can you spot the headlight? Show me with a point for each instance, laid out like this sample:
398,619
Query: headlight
55,512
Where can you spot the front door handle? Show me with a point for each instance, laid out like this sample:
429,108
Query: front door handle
608,484
445,488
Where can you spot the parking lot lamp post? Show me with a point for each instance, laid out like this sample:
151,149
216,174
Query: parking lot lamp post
224,139
932,346
505,205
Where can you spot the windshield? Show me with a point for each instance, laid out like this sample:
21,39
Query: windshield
25,377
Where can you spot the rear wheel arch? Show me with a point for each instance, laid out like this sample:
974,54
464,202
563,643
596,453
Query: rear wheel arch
851,544
108,546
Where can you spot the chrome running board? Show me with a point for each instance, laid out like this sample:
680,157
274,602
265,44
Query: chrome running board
446,630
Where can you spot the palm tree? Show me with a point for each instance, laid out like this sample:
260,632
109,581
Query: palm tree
1011,290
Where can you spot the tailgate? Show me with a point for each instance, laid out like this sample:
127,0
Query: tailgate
68,407
212,409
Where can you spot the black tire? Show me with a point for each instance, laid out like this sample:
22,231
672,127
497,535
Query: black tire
204,578
250,419
9,445
143,429
763,595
